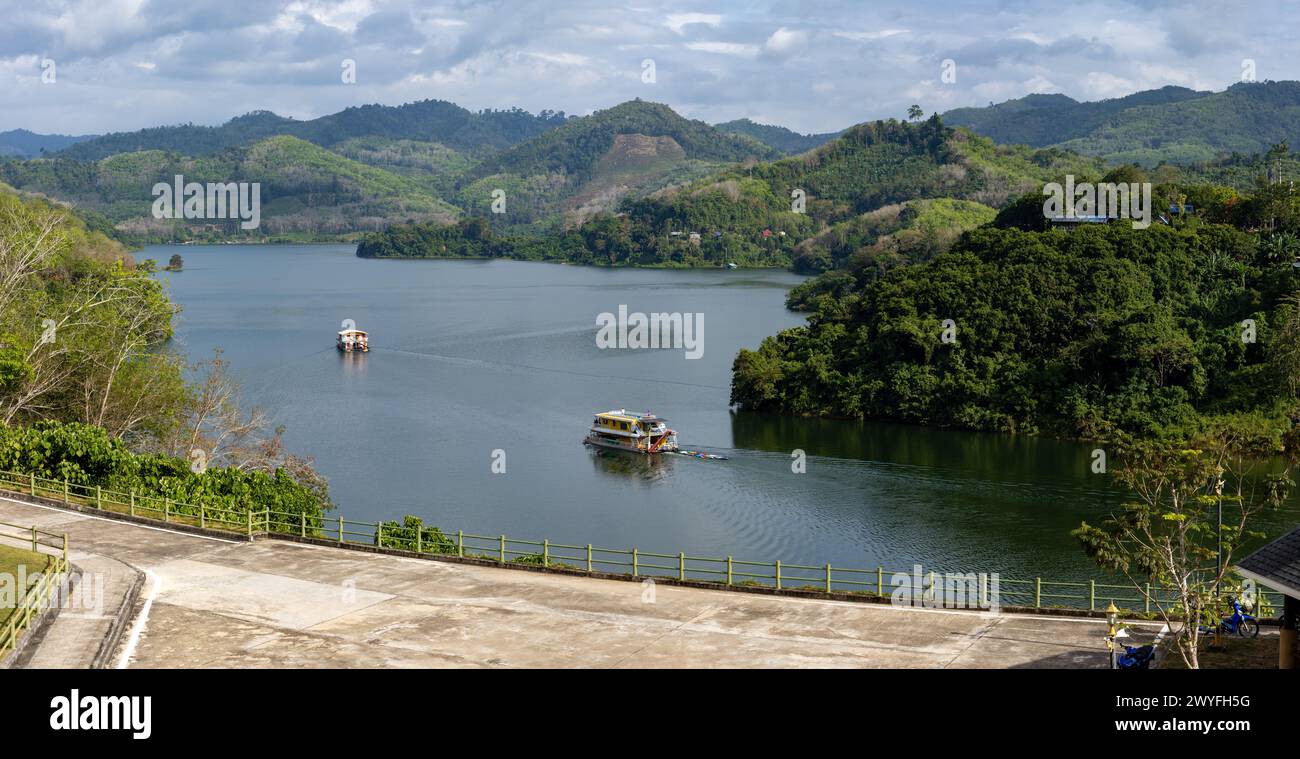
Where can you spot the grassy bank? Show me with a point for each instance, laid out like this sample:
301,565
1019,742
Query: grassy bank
16,563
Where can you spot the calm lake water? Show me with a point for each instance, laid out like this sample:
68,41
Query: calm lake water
473,356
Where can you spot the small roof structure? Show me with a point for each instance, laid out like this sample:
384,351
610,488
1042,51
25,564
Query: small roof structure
1276,565
632,416
343,332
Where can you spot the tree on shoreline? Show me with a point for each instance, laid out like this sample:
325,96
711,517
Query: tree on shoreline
84,343
1191,511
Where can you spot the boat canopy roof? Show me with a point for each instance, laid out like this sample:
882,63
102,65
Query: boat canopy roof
351,332
627,416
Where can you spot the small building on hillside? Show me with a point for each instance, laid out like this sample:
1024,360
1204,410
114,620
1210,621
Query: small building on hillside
1070,223
1277,565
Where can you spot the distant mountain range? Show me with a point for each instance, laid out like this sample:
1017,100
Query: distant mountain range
1171,124
364,168
428,120
785,140
431,161
21,143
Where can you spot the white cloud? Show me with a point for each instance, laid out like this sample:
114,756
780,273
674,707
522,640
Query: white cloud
723,48
785,41
867,36
679,21
127,64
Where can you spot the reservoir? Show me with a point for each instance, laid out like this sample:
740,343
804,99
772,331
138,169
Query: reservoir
469,358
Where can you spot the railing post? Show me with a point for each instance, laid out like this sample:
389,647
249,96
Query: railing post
65,490
203,515
1148,599
546,552
460,543
250,524
167,510
728,570
828,578
419,538
302,522
266,519
1038,592
32,475
588,557
340,530
1092,595
65,549
99,497
503,550
636,568
681,567
984,590
778,574
23,590
880,580
933,588
379,535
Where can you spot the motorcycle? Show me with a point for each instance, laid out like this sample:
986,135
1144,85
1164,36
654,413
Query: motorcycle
1136,657
1240,622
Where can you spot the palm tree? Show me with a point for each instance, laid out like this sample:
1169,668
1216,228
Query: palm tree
1281,246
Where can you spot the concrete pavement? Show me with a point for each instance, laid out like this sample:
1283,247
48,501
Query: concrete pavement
214,603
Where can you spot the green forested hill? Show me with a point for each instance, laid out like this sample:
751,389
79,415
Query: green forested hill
306,190
747,214
431,163
426,120
21,143
1043,120
1172,124
785,140
1077,334
576,147
868,167
1247,118
897,234
591,163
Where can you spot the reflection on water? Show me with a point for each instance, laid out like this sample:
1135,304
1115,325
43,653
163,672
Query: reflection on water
354,364
635,467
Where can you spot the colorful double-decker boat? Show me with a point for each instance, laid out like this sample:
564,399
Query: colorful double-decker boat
353,341
638,433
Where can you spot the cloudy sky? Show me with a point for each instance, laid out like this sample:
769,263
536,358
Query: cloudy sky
812,66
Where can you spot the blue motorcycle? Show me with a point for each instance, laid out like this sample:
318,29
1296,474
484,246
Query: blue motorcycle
1136,657
1240,622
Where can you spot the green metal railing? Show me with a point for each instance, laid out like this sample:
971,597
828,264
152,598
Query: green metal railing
1037,593
35,597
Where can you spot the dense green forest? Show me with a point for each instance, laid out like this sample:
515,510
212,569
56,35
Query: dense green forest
1171,124
1088,333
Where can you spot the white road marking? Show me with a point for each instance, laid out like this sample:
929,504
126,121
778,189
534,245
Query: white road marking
137,628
